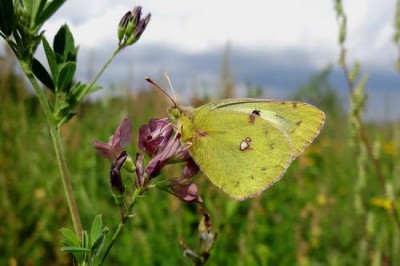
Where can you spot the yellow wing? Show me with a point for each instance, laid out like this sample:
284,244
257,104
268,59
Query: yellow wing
301,121
246,145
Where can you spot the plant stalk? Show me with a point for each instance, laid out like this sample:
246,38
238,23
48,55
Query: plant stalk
364,139
58,149
94,80
135,198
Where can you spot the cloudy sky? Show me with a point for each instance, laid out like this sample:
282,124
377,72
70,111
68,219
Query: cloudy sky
274,44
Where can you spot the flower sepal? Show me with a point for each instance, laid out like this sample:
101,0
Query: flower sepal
129,165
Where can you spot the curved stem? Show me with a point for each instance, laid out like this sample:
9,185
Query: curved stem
116,234
58,148
135,198
94,80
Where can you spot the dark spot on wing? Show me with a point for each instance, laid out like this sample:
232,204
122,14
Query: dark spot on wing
263,168
299,123
251,177
272,145
237,183
279,116
294,105
253,115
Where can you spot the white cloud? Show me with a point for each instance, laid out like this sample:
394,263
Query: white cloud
269,25
285,36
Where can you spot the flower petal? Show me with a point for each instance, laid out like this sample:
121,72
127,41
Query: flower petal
102,148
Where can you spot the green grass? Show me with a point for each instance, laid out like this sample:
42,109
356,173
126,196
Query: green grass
307,218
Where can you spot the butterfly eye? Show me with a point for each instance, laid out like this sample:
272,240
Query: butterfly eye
256,112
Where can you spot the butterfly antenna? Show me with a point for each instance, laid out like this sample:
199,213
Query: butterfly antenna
161,89
170,84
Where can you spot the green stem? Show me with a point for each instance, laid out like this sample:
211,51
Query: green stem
69,194
91,84
58,148
116,234
135,198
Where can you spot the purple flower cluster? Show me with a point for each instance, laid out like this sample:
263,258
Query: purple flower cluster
160,145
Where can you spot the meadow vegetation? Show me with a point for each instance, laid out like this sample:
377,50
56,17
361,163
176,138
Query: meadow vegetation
329,209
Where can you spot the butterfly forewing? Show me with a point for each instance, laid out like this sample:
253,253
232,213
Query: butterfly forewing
302,122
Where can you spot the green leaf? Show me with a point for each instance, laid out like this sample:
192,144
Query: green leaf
6,17
69,238
95,231
75,94
98,245
66,76
36,11
49,10
27,4
64,45
66,118
62,110
79,92
95,88
51,59
41,73
75,250
59,42
85,240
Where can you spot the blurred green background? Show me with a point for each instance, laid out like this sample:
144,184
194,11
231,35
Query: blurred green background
325,211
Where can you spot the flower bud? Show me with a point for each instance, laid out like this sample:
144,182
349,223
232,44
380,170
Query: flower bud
133,20
122,27
134,37
117,186
131,26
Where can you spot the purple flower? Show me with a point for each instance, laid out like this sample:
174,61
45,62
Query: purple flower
190,170
113,148
159,141
174,151
154,136
185,191
115,173
183,187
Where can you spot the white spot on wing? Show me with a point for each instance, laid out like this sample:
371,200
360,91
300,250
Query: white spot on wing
244,145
